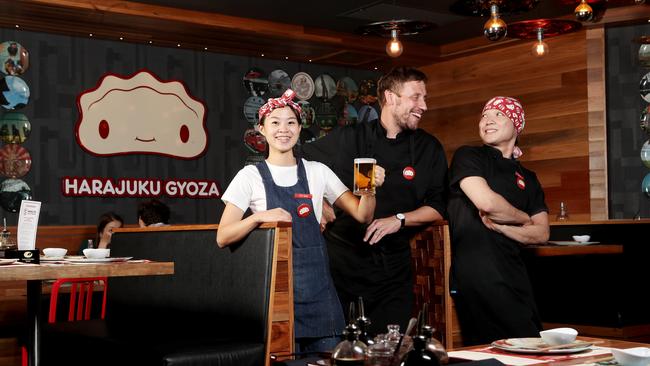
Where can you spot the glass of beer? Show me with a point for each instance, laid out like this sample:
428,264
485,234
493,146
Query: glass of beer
364,176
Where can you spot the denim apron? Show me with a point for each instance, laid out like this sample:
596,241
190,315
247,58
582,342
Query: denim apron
317,310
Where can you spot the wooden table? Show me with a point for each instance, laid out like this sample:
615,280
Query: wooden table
34,274
599,342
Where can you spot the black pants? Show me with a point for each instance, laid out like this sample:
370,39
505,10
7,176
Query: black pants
383,278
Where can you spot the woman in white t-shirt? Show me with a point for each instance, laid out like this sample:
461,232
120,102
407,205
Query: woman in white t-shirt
284,188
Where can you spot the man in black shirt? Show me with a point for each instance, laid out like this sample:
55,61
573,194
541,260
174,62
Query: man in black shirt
373,261
495,206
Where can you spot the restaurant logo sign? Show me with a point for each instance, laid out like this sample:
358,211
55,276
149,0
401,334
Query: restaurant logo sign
139,187
141,114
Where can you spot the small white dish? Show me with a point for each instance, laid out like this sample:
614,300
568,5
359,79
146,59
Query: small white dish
581,238
97,253
55,252
637,356
4,261
558,336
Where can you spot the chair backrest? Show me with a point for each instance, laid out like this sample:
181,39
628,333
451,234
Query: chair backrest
81,296
431,260
213,293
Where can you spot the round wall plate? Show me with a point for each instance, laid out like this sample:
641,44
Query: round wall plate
279,82
325,87
254,140
15,161
367,113
308,113
256,82
12,192
14,128
15,93
14,58
347,88
251,107
368,91
644,87
303,85
349,116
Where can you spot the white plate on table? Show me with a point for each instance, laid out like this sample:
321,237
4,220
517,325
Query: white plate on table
536,345
572,242
4,261
83,260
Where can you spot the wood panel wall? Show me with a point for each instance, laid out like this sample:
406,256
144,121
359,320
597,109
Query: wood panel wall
554,93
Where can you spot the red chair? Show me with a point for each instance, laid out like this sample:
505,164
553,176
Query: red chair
81,298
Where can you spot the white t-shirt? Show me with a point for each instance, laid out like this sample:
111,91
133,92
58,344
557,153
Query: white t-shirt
247,188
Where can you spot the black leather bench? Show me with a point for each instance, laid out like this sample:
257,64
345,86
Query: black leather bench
213,311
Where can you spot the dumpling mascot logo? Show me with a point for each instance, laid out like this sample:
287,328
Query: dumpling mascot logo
141,114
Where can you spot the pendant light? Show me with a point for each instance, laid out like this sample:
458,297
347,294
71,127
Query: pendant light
394,47
495,29
540,48
584,12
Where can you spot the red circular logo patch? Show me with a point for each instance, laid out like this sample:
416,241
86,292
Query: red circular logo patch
408,173
304,210
521,184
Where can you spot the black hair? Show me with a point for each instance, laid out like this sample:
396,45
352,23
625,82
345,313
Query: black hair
153,211
298,116
104,220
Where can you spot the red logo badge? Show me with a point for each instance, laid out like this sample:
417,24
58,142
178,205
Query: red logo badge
304,210
520,181
408,173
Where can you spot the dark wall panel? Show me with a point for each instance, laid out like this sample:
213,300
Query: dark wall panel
624,135
61,67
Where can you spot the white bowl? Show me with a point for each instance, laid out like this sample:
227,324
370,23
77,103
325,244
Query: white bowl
96,253
638,356
55,252
557,336
581,238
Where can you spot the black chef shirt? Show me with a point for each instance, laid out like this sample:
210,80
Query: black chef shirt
414,148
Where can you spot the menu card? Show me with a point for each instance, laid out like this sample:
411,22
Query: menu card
28,224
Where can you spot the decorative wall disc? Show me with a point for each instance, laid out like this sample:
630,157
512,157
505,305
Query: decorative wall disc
644,55
303,85
14,92
15,161
326,116
349,115
308,113
279,82
14,128
645,185
255,141
14,58
644,87
645,154
368,91
251,107
347,88
325,87
12,192
367,113
256,82
645,120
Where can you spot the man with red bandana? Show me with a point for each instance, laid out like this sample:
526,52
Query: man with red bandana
373,261
495,206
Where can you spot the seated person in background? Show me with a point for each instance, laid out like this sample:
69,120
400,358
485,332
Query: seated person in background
107,222
153,213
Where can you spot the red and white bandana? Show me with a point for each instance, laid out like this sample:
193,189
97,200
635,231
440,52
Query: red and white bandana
513,109
285,100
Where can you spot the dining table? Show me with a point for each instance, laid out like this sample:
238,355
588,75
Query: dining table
599,351
34,274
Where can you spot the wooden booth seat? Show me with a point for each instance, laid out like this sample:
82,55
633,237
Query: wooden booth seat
217,308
